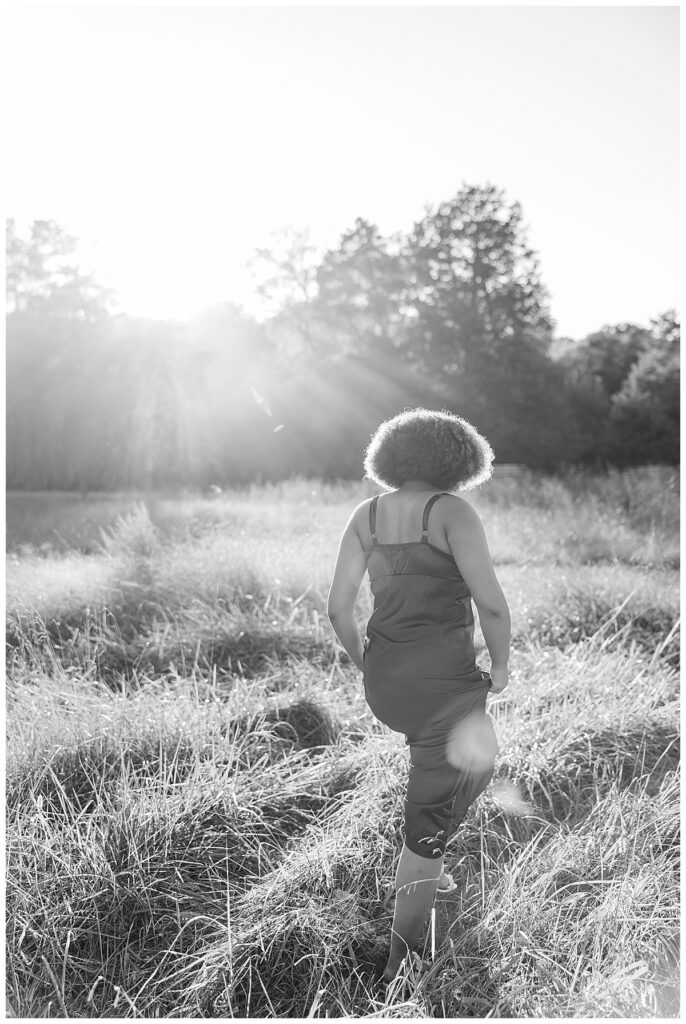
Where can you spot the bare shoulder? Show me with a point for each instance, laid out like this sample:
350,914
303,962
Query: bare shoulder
460,520
458,510
359,517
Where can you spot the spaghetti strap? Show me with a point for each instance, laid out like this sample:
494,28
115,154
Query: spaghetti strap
427,508
372,519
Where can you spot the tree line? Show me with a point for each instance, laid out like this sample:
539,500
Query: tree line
453,314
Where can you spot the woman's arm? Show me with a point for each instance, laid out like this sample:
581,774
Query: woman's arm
467,541
351,564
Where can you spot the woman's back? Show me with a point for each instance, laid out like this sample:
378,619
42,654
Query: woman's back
399,515
423,623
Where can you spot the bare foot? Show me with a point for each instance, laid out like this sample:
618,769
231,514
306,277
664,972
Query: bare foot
391,969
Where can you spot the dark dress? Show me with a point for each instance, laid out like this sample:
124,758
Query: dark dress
421,679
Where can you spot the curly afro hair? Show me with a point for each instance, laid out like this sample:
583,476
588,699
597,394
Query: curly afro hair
420,444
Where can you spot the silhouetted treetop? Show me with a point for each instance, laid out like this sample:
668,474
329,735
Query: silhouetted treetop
43,275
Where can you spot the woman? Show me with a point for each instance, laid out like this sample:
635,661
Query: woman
426,554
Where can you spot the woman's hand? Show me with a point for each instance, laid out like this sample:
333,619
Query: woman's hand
499,679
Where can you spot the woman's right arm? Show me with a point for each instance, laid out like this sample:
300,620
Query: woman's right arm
467,541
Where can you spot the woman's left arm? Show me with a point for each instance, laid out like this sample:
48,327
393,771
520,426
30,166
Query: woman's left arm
351,564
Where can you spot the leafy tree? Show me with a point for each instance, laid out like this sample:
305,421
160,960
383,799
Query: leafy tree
666,330
475,279
481,328
285,271
43,276
645,411
361,291
607,356
285,280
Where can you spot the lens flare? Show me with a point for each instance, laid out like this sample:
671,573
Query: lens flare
471,745
509,798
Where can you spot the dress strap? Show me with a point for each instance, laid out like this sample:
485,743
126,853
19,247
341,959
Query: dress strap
372,518
427,508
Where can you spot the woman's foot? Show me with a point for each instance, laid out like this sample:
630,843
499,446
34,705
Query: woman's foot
391,969
393,966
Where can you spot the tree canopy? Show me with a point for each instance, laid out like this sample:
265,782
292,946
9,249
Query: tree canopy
452,315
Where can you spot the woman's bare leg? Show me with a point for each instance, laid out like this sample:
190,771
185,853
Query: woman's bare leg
416,881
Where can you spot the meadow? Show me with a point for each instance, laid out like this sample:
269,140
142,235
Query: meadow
203,817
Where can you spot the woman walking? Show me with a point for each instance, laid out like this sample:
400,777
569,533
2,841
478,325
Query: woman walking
426,554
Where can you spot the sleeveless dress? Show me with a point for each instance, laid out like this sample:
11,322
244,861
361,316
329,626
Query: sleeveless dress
421,679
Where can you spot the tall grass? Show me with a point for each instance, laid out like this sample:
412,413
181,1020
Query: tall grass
203,816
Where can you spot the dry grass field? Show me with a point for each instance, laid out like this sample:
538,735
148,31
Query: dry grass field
203,817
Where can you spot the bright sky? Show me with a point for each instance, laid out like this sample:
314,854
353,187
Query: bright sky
173,140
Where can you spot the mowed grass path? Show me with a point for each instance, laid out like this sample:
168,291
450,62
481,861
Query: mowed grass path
203,816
